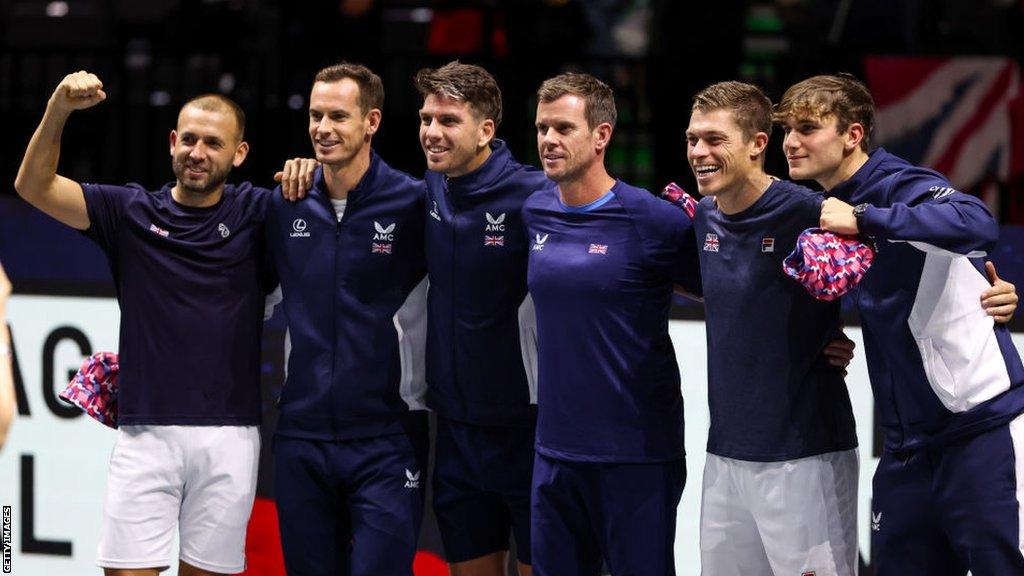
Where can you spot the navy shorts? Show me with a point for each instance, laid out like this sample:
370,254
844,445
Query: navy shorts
584,512
351,507
944,510
481,488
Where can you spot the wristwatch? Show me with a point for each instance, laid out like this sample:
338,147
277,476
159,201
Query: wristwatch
858,214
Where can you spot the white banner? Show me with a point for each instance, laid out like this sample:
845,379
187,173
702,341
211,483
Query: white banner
53,468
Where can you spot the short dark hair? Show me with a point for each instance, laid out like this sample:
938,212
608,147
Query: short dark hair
840,95
598,97
219,103
464,83
749,105
371,89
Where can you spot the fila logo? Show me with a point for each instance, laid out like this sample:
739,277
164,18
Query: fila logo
412,480
540,241
223,229
876,521
384,233
598,249
434,213
299,229
495,224
941,191
768,244
711,242
158,230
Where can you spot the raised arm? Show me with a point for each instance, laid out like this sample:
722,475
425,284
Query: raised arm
38,182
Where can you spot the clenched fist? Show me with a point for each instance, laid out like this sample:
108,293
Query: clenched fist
78,91
837,216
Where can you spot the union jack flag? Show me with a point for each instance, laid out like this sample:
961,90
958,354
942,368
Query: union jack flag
711,242
598,249
494,240
381,248
963,117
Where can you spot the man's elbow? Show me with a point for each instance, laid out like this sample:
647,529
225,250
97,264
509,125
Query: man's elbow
24,186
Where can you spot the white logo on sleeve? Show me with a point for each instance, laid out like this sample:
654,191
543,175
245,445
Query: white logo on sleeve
434,213
299,229
224,231
941,191
541,239
412,479
495,224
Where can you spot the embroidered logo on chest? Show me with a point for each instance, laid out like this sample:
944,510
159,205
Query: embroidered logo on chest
711,242
494,224
299,229
540,240
383,238
767,244
597,249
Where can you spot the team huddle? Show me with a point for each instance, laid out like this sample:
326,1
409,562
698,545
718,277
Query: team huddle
529,310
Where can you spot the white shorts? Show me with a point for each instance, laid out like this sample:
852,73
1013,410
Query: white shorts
784,518
201,479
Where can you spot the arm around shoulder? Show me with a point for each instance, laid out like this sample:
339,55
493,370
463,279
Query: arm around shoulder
38,182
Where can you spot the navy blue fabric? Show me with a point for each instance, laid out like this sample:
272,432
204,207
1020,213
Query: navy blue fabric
191,284
912,203
351,507
474,360
584,512
947,509
481,487
342,283
602,281
772,394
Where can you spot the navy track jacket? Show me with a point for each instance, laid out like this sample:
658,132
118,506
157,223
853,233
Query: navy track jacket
940,369
481,345
342,283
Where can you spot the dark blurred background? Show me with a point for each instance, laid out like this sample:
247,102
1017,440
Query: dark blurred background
154,54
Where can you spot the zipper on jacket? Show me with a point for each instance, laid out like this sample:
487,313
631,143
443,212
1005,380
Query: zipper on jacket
454,283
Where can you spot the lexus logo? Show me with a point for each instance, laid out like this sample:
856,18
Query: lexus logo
299,225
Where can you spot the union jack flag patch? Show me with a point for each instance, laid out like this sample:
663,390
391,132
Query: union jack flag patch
380,248
598,249
711,242
494,240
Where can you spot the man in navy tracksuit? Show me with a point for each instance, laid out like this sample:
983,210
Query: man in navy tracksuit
948,384
604,255
480,342
351,442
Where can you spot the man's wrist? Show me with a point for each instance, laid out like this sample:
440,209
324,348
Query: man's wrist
858,216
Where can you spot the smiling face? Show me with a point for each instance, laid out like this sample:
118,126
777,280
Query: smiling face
814,147
455,140
205,145
567,145
338,128
722,158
